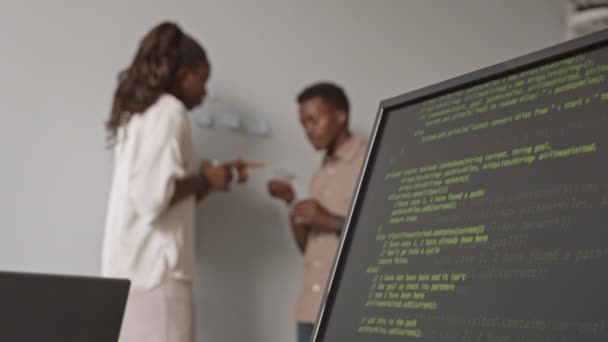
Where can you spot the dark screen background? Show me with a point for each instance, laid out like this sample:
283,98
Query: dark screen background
537,268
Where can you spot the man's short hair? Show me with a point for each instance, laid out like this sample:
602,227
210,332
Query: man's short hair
333,94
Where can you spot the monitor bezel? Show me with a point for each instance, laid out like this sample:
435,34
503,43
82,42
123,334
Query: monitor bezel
528,61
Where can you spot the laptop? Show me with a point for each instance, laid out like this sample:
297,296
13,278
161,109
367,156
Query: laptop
60,308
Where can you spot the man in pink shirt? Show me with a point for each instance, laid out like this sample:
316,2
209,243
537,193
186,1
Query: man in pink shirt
317,221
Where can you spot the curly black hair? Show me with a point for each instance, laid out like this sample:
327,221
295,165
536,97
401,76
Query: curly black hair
152,73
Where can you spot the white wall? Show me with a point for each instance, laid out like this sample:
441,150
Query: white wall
58,65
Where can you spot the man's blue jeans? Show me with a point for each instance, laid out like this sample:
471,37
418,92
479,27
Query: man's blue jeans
305,331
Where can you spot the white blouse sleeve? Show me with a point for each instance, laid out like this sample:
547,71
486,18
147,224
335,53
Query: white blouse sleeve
158,166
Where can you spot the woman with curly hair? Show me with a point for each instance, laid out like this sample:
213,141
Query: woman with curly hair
149,233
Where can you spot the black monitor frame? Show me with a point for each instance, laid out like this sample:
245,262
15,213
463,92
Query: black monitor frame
544,56
53,307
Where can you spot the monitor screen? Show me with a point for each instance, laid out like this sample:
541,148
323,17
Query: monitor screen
482,211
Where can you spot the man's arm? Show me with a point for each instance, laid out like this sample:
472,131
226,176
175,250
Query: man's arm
281,189
311,214
300,235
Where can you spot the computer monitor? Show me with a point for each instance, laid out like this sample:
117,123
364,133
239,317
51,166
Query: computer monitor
53,308
481,213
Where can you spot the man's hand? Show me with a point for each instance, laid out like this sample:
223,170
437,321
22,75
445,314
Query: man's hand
281,189
311,214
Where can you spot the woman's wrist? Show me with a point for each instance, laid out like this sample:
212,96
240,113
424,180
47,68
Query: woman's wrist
203,186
